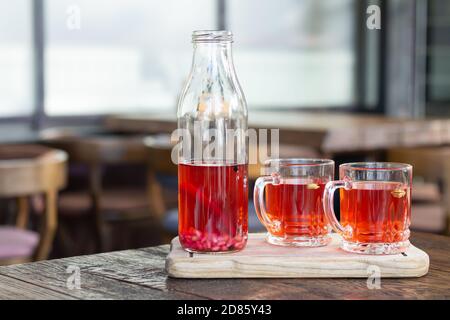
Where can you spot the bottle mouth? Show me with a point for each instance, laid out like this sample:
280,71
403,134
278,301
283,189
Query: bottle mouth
212,36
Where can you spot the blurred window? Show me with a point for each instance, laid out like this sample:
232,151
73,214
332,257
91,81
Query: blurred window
438,77
16,56
109,56
292,53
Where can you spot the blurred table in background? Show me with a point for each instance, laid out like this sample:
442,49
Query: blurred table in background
353,136
327,132
431,188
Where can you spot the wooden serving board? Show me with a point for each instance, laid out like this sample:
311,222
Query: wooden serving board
262,260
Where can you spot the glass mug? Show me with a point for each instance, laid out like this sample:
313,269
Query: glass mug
288,201
375,206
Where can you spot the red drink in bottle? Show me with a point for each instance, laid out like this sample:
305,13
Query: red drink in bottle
213,207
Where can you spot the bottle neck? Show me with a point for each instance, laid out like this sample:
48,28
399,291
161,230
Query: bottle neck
213,59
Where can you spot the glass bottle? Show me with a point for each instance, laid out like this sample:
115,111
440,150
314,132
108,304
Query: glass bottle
212,164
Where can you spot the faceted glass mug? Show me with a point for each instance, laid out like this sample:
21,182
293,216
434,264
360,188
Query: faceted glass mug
288,201
375,206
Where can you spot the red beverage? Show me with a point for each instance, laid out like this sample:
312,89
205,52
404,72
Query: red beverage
377,212
295,208
213,207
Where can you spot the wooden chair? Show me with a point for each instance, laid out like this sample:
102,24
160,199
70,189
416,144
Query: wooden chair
431,188
112,208
27,170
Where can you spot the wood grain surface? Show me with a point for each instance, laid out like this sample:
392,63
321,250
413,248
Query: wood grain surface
262,260
140,274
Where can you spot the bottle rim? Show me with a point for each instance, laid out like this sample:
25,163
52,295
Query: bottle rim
212,36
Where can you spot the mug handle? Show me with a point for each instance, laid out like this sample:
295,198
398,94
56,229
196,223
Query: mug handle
258,200
328,205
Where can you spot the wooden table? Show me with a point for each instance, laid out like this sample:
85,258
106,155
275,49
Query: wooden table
326,132
139,274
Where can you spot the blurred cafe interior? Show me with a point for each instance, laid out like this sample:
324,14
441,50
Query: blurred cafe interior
89,90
